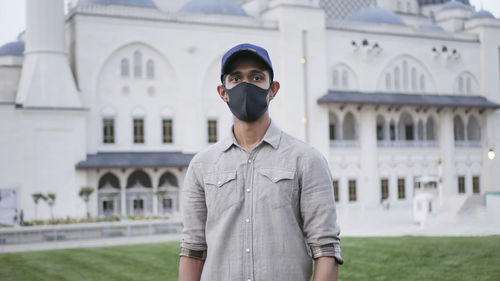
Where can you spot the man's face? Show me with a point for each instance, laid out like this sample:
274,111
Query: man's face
247,70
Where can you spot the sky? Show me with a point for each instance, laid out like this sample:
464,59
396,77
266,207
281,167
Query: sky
12,16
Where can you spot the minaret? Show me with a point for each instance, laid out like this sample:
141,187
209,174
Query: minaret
46,78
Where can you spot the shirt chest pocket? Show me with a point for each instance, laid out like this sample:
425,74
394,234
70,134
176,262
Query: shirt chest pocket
276,186
221,190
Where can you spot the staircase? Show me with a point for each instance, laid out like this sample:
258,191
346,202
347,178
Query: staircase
473,203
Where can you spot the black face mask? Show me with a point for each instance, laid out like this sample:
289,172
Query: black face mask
247,102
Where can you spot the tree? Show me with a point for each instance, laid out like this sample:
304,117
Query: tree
51,199
36,198
85,193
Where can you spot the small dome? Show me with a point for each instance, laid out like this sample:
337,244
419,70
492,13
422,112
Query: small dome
483,14
137,3
454,5
431,27
15,48
223,7
376,15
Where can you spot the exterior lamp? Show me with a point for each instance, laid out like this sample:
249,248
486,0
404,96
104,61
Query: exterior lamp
491,154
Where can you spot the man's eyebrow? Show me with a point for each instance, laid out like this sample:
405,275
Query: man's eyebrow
253,71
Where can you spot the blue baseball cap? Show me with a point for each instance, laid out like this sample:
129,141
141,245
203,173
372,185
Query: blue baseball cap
245,50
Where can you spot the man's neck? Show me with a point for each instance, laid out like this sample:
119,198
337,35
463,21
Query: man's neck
248,135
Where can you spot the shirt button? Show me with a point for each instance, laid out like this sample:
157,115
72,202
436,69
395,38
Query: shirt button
248,189
218,182
247,250
249,161
247,220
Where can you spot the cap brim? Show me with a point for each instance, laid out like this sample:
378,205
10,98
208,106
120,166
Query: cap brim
241,54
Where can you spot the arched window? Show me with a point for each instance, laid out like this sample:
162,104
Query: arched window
429,128
458,128
150,69
414,79
333,126
388,82
420,130
406,127
473,129
349,127
137,64
380,128
335,78
345,79
125,68
468,85
422,83
405,75
396,78
460,85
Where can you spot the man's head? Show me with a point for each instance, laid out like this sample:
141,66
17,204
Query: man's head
247,81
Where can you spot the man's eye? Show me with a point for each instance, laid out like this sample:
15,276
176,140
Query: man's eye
257,78
235,79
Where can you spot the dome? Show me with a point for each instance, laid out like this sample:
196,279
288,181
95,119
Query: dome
137,3
454,5
376,15
483,14
15,48
224,7
431,27
435,2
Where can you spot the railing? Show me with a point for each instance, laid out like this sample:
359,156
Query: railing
406,143
467,143
344,143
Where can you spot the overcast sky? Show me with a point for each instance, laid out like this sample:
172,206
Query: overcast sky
12,16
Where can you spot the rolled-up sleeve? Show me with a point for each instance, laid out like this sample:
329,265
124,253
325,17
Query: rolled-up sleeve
194,211
317,207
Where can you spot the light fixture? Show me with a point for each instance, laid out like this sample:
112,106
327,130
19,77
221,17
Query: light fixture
303,60
491,154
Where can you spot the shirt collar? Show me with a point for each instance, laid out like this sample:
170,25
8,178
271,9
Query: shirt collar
272,137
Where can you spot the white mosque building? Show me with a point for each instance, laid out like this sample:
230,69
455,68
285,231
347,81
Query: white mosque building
119,95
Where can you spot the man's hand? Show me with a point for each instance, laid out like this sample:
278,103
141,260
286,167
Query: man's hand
190,269
325,269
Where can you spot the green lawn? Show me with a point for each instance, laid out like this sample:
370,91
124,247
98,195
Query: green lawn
399,258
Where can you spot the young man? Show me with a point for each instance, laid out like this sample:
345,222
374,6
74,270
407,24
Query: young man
258,205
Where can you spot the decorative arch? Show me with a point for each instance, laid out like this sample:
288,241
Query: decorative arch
430,128
406,126
458,128
349,131
406,74
343,77
168,179
473,129
381,128
333,126
466,84
139,178
109,180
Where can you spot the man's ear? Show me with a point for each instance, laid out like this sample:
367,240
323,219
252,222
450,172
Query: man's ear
273,90
223,94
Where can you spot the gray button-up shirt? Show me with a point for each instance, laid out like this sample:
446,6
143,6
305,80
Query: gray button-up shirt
262,215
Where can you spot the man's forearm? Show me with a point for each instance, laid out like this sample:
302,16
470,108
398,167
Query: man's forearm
190,269
325,269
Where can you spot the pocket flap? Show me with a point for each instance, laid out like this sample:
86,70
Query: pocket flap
220,179
276,175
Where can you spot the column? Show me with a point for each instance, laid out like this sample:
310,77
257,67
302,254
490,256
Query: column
447,155
123,197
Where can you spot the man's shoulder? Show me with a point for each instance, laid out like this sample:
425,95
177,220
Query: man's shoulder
209,154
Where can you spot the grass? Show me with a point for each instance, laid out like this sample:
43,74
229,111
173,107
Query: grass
395,259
